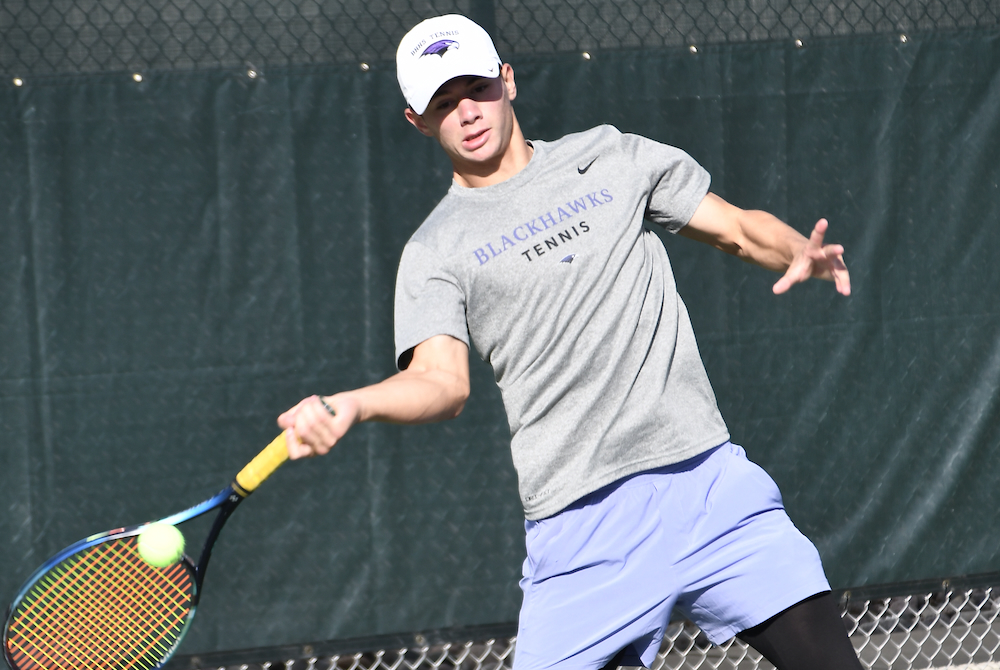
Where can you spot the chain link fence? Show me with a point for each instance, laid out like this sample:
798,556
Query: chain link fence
932,625
45,37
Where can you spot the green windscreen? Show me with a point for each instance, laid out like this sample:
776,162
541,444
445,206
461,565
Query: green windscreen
183,258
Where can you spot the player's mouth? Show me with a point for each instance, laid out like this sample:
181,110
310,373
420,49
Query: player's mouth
476,140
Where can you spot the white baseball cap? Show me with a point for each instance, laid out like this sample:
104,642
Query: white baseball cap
438,50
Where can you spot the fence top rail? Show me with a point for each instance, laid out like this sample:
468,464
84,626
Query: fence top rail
43,37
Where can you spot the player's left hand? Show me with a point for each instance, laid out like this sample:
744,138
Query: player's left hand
817,260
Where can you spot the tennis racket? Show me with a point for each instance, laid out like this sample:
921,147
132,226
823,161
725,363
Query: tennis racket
97,604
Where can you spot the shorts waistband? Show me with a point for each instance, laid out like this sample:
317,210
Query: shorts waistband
644,477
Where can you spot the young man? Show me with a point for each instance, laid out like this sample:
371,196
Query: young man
636,502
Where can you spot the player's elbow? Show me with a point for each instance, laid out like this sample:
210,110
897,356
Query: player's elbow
459,394
446,396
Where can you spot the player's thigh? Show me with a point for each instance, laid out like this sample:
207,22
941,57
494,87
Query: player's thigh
810,635
751,561
589,587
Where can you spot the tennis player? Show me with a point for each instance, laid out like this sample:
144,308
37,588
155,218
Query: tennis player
635,500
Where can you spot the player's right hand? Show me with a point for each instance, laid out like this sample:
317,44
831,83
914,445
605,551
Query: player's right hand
310,430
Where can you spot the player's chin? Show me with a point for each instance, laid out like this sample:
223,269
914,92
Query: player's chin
474,158
478,154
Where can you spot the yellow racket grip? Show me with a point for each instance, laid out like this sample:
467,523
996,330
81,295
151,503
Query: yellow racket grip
262,465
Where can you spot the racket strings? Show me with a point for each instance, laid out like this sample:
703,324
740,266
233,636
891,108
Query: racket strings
110,621
64,595
102,608
89,610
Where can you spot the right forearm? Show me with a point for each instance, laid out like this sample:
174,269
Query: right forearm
413,397
434,387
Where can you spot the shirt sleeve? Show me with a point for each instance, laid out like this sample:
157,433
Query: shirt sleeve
429,301
677,183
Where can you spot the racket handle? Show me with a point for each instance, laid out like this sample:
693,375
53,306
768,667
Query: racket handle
262,465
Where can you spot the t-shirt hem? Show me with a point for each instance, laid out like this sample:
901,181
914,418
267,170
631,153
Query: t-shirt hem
557,504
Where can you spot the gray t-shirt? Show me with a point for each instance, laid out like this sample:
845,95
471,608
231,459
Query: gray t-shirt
554,280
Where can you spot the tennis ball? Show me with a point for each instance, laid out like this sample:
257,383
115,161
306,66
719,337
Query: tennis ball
161,544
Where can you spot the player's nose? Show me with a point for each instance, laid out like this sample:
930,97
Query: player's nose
468,111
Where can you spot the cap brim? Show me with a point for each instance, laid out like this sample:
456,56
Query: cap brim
420,102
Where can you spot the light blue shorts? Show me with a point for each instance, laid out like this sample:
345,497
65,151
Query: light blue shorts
708,536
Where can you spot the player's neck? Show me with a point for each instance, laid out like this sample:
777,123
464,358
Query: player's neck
514,158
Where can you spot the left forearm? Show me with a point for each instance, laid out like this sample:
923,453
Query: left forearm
763,239
767,241
752,235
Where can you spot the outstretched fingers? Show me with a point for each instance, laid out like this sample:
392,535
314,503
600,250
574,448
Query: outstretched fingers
817,260
838,270
818,233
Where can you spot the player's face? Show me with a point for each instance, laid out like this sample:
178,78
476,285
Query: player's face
471,117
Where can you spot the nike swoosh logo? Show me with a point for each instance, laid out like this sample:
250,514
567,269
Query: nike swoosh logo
583,168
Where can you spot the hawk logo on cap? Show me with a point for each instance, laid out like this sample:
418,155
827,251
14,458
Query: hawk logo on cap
440,48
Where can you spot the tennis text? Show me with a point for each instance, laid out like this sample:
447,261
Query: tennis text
522,235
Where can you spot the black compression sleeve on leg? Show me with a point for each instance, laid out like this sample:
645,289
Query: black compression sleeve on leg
616,661
807,636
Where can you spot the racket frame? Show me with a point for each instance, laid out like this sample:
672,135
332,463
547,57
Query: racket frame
246,482
225,501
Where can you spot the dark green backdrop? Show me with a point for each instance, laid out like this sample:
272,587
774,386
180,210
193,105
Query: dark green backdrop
183,258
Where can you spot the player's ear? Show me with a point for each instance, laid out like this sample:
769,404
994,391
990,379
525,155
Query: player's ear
507,74
417,121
